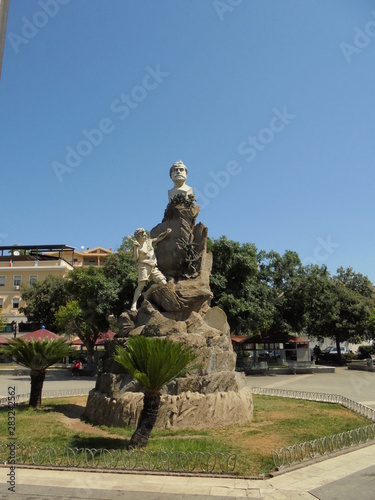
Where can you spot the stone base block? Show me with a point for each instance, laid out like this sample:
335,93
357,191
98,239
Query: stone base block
182,411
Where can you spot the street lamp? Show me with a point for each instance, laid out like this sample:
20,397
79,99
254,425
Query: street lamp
14,328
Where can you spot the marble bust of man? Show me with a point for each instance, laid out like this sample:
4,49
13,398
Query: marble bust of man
178,174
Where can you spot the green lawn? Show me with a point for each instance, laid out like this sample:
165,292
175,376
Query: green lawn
277,422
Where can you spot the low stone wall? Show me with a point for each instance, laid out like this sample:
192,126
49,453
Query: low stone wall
367,365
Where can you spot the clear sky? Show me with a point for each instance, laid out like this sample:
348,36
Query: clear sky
270,104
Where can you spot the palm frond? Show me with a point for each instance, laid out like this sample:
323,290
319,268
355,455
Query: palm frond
37,355
154,362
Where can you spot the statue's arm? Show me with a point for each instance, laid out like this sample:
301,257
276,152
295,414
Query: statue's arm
161,236
136,246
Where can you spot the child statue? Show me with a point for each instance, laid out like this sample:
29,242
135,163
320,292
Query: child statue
143,252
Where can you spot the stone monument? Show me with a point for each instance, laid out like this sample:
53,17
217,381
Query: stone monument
176,306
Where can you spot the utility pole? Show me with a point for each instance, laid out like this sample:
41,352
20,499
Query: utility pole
4,6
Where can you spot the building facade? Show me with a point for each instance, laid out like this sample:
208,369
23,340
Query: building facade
23,265
84,258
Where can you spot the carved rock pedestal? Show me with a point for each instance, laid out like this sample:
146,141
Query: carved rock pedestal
213,395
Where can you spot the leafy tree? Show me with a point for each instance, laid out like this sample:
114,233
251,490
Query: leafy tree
260,292
237,288
284,275
37,356
121,270
372,323
43,300
355,281
352,315
339,307
321,306
92,297
153,362
69,319
3,323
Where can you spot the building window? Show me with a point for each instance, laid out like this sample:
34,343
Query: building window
1,303
17,280
2,280
15,303
32,279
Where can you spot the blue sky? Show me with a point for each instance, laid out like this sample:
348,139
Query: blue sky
270,104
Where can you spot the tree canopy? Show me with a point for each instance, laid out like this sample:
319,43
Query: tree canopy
261,292
237,287
43,300
92,300
340,307
267,292
120,269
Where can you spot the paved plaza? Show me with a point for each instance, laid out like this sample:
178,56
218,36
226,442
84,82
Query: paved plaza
353,384
347,475
55,381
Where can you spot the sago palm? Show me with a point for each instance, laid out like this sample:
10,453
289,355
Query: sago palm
37,356
153,362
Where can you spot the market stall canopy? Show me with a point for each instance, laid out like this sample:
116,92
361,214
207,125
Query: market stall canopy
239,339
101,340
41,334
276,338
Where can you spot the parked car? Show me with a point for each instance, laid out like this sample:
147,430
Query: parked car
333,350
276,353
262,354
324,352
329,354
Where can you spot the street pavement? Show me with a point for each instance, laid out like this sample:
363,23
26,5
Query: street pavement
347,476
55,381
344,476
353,384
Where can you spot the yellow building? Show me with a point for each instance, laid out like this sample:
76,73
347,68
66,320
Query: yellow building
84,258
26,264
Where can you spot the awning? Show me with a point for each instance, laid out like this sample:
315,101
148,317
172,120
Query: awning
41,334
239,339
101,340
276,338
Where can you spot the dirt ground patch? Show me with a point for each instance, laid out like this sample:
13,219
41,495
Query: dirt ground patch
253,439
70,416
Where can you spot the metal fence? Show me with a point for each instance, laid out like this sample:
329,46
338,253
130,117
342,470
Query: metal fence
130,460
309,450
62,393
187,461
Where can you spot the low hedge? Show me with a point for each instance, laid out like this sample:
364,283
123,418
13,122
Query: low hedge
365,351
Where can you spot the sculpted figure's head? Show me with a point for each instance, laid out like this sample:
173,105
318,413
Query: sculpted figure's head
140,234
178,172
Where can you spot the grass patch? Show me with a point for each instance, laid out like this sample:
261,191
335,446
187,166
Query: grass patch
277,422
